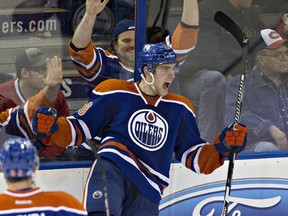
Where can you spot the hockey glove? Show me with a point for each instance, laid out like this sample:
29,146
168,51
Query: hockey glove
232,138
44,122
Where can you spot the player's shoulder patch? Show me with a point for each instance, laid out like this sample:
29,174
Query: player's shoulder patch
85,108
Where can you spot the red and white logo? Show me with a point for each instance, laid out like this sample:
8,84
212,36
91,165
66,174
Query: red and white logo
274,35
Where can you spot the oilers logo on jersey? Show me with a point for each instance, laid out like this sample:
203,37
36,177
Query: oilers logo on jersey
148,129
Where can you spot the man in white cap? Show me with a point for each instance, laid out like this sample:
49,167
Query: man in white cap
265,100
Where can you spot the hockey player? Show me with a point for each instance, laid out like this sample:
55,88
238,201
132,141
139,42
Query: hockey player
19,162
142,125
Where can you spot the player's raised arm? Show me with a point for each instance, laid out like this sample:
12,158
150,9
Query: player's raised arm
190,14
184,37
83,33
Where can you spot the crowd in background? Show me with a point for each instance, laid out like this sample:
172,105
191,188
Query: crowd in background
130,130
208,78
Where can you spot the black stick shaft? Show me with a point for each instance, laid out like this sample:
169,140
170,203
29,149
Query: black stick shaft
232,154
227,23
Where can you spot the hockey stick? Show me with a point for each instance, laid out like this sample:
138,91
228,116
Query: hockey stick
227,23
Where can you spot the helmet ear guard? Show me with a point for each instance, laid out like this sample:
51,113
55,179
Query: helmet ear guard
18,158
148,83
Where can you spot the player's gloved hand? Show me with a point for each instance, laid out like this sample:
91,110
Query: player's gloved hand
44,122
232,138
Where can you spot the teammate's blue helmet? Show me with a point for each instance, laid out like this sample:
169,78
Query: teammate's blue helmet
18,158
158,53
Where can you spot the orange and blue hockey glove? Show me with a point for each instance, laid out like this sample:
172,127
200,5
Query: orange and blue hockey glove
44,122
232,138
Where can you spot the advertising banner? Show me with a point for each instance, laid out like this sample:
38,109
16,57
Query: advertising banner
259,187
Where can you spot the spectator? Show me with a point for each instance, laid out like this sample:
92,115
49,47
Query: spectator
265,100
19,162
217,53
140,134
15,120
30,68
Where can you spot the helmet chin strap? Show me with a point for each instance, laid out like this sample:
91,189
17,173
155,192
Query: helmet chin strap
151,83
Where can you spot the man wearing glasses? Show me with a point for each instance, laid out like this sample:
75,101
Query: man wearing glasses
265,101
30,67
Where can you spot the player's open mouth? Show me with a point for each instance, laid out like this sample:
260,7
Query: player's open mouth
166,85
